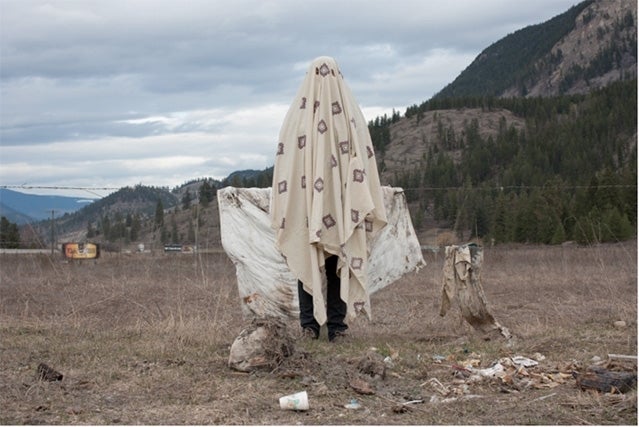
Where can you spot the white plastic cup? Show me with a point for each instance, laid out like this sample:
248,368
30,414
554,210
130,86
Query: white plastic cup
295,402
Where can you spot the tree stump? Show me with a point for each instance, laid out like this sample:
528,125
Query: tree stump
605,381
462,283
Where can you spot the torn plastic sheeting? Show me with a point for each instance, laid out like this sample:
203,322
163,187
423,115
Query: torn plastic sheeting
498,370
524,361
266,286
494,371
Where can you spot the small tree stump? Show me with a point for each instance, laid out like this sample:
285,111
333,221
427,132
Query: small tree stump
606,381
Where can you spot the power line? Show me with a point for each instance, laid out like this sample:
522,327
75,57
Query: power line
46,187
524,187
501,187
90,190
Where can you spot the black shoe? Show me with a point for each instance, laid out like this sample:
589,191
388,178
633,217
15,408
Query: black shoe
310,333
336,336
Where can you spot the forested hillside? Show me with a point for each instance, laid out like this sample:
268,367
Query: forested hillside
535,141
570,174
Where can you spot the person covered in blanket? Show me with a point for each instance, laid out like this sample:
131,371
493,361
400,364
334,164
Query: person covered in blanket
326,200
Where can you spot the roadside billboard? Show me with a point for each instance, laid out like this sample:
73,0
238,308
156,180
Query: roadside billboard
80,250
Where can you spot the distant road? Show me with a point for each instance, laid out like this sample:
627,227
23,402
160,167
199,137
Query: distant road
25,251
213,250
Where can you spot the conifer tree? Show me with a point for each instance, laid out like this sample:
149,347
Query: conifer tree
175,238
207,193
186,200
136,226
9,234
159,214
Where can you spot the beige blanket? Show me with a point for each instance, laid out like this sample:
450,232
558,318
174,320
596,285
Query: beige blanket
327,197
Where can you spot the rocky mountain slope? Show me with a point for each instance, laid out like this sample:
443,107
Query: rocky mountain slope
589,46
414,137
602,48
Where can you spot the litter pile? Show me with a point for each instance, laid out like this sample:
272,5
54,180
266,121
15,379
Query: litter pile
380,374
519,373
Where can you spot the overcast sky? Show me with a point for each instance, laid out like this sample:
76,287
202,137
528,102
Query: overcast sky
110,93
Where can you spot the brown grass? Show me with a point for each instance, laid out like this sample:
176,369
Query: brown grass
145,340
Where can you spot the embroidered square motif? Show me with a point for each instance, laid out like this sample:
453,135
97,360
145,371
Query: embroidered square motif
328,221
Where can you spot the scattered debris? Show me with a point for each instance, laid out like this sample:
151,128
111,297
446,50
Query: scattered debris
361,386
373,364
524,361
388,361
399,408
518,373
353,404
46,373
495,371
437,399
543,397
438,386
620,324
539,357
394,354
623,357
295,402
512,374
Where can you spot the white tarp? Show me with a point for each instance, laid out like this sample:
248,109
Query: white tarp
266,286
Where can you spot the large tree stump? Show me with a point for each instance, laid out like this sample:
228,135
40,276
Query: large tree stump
462,283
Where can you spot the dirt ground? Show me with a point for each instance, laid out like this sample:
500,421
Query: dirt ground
145,339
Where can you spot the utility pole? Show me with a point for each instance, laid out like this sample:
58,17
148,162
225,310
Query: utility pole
197,226
52,233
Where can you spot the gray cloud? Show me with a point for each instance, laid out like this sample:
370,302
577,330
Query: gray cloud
148,81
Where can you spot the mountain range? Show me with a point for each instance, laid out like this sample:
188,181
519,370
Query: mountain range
550,103
22,208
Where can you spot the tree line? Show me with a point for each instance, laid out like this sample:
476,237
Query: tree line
127,228
9,234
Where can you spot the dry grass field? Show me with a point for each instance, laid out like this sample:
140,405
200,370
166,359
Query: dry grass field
144,339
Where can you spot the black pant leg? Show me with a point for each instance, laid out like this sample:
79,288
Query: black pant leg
307,319
336,308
